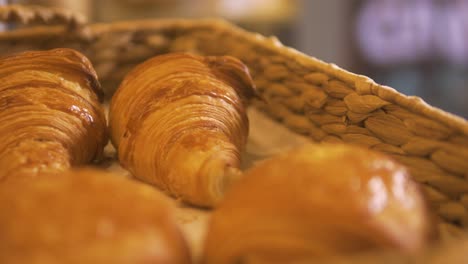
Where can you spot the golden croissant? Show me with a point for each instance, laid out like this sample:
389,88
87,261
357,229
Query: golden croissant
316,202
87,216
50,116
179,121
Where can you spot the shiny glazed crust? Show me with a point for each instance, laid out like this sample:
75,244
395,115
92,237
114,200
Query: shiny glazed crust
50,115
178,121
86,216
315,202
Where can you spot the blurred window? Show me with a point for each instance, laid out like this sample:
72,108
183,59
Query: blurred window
419,47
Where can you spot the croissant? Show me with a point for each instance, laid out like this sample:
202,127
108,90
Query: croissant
87,216
179,121
50,116
318,201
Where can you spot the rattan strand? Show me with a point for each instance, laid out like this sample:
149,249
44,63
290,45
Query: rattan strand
40,15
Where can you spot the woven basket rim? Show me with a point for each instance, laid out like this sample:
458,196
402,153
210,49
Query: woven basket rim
33,14
362,85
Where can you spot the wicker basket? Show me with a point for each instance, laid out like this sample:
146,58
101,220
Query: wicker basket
311,97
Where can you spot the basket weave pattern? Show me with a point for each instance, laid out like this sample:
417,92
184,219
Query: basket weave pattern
309,96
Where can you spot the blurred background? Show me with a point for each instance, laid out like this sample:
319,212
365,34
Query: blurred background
419,47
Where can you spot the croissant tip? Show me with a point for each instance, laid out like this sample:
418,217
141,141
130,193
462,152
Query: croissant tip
234,71
225,181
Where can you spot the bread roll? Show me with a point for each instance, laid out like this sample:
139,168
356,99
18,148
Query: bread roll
87,216
318,201
178,121
50,115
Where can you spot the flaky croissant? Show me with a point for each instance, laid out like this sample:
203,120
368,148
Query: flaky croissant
179,121
50,116
87,216
315,202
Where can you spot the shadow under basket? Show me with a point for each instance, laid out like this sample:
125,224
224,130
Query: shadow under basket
310,97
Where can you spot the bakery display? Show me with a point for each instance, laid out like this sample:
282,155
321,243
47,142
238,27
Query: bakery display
87,216
318,201
178,121
315,100
50,114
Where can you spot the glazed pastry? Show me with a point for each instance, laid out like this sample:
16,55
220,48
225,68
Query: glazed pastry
87,216
315,202
178,121
50,116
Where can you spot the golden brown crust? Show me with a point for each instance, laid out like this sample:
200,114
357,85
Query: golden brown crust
87,216
67,63
179,122
318,201
50,116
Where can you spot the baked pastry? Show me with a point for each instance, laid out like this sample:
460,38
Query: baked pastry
50,115
87,216
178,121
315,202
